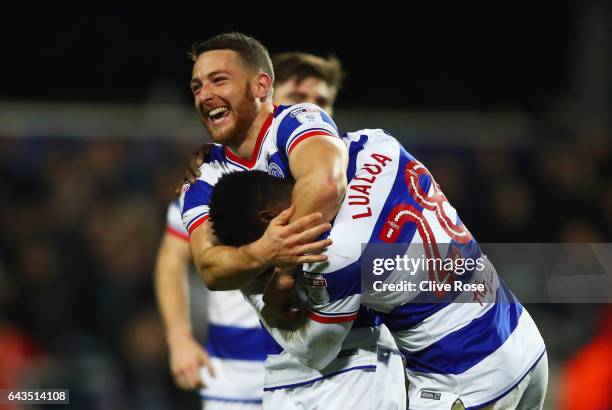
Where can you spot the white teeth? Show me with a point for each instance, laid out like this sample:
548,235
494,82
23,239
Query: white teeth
216,111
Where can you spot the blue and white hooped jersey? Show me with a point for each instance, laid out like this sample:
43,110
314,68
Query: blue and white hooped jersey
287,127
236,342
475,351
280,134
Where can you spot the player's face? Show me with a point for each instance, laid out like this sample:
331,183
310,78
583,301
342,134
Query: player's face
272,210
312,90
222,95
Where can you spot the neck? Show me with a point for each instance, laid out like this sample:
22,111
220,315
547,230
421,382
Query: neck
246,147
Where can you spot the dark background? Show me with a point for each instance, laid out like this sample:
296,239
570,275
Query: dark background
82,209
440,56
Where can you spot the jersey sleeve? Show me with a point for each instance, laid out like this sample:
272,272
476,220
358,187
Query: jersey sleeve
195,198
174,221
301,122
315,344
333,296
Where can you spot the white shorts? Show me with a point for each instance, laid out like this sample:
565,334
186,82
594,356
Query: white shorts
529,394
381,387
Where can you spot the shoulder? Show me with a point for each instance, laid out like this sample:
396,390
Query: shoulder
301,114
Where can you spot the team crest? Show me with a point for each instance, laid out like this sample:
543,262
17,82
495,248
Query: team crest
275,170
307,115
316,289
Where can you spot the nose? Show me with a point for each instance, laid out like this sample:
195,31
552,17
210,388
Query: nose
205,95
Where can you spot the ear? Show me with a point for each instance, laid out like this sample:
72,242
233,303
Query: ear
266,216
263,86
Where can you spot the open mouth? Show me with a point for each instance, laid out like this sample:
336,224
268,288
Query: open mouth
217,115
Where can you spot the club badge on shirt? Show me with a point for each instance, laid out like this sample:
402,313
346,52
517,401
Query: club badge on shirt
316,289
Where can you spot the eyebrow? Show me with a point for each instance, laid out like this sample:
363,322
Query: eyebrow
196,80
297,94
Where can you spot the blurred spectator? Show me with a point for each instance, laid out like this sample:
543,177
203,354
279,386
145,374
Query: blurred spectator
79,225
586,379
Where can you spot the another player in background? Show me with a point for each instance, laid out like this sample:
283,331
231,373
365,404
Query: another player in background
468,348
236,343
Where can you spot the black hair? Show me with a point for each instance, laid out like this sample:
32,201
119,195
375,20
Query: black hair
236,201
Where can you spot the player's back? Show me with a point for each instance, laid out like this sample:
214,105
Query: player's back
458,342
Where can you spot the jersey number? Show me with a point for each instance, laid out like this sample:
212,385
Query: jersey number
404,213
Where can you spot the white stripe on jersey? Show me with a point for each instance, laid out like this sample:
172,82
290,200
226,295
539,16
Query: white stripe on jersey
349,232
174,221
487,380
229,308
234,379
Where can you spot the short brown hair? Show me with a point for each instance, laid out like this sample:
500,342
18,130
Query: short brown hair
302,65
253,54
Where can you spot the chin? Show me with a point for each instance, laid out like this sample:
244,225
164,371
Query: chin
223,136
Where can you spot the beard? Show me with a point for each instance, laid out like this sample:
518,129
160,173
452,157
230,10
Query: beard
244,115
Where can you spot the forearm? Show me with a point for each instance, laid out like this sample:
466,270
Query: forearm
227,267
314,344
171,286
317,192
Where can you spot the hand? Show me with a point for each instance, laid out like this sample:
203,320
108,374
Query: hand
193,167
187,356
279,288
287,243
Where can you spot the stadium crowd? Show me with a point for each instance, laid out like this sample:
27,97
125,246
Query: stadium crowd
80,222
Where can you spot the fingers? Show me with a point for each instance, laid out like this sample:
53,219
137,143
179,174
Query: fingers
305,222
284,217
195,379
188,378
198,157
206,362
192,174
179,187
313,248
193,166
311,258
309,234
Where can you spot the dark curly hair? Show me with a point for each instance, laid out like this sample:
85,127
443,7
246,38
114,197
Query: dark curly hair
236,201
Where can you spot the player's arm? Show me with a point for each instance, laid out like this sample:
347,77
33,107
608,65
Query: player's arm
227,267
186,354
308,139
319,338
318,165
316,342
283,243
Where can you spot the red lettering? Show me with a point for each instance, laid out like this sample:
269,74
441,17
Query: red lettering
364,189
369,181
365,200
377,168
363,215
383,159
